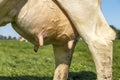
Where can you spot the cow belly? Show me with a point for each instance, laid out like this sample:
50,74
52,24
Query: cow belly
45,18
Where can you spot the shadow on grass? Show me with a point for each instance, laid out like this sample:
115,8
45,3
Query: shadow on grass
84,75
25,78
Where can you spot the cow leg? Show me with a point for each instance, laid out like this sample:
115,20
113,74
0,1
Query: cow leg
89,22
102,55
63,56
62,62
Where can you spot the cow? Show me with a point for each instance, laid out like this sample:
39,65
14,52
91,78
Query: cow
87,17
42,22
60,23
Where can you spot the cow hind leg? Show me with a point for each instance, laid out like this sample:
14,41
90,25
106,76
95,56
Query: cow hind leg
63,56
101,47
102,55
95,31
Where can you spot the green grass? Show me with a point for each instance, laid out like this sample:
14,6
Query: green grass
18,61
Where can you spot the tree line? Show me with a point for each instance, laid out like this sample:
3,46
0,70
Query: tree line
7,38
116,30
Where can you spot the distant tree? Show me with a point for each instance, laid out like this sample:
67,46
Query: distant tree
2,37
9,38
14,38
116,30
113,27
118,34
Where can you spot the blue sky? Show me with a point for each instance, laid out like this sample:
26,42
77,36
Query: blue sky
110,8
111,11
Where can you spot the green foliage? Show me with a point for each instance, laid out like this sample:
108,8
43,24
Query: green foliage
116,60
18,61
118,34
117,31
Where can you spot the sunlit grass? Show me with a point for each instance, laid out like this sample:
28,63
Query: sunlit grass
18,61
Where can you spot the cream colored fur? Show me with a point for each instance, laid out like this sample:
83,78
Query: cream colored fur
90,23
42,22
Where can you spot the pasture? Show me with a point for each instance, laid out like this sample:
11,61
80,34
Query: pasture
18,61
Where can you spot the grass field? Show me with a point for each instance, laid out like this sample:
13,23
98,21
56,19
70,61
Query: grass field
18,61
